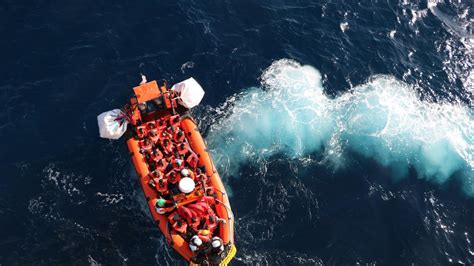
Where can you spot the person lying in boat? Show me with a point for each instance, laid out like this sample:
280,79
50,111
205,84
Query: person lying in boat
202,246
200,243
217,245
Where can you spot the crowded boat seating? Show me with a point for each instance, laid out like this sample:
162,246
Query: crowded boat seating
185,194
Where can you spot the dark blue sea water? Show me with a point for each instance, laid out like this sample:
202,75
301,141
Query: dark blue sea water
343,129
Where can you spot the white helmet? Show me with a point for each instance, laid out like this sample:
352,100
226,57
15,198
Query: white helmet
216,243
195,240
195,243
184,172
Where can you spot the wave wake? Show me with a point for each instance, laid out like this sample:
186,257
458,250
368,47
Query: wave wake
382,119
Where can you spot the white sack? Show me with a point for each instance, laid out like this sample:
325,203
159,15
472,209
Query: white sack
190,92
112,124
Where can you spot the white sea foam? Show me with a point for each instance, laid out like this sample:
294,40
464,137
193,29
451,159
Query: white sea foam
382,119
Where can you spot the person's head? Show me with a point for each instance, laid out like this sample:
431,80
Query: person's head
217,243
161,202
184,172
195,240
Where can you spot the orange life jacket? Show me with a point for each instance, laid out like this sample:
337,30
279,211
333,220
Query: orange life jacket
183,148
161,185
141,131
192,160
179,136
151,125
146,145
167,146
156,155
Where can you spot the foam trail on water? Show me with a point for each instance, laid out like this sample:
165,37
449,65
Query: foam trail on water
382,119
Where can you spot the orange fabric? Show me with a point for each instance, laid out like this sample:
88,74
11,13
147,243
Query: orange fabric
147,91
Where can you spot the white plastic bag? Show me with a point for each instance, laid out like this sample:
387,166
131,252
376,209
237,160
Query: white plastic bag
190,92
112,124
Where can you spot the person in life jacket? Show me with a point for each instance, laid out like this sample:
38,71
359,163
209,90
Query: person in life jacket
177,223
161,185
161,164
146,144
174,120
153,135
211,192
160,125
154,176
183,149
194,224
212,220
178,163
156,155
167,146
200,242
201,178
195,243
179,136
151,125
163,206
172,177
204,210
192,160
171,129
217,245
141,132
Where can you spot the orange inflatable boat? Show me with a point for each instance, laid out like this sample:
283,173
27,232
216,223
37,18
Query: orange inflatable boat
185,194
